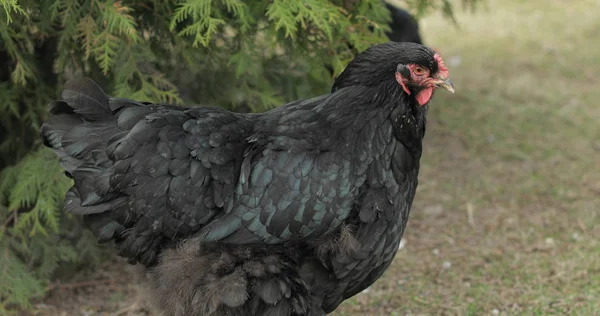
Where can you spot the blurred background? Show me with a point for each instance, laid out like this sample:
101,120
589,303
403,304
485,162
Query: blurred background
506,220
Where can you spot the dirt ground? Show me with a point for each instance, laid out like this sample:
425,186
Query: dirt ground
506,220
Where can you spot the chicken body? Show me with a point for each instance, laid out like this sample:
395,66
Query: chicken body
287,212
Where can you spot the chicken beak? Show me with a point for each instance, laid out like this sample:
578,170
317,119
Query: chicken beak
444,83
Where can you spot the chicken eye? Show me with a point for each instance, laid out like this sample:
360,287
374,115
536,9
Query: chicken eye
419,70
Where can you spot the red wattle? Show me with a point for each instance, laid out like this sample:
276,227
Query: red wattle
424,96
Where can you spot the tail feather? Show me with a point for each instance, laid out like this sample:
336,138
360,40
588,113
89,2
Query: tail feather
93,135
77,131
87,99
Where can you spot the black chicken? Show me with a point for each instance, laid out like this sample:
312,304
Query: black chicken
287,212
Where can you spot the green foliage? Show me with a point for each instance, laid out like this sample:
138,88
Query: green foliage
30,236
11,6
253,55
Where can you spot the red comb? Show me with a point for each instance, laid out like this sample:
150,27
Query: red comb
442,69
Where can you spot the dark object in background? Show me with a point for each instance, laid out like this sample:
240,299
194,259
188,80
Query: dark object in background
405,28
288,212
16,135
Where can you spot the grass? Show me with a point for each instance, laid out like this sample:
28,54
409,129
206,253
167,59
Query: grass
507,216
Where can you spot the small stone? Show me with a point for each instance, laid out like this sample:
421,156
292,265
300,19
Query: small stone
44,306
402,244
495,312
433,210
447,264
436,252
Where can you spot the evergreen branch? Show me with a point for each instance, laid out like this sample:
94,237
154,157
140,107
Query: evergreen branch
238,7
196,9
87,30
242,62
106,50
66,10
283,15
203,25
69,13
22,72
241,10
202,31
9,101
7,36
39,190
12,6
323,14
19,286
118,20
